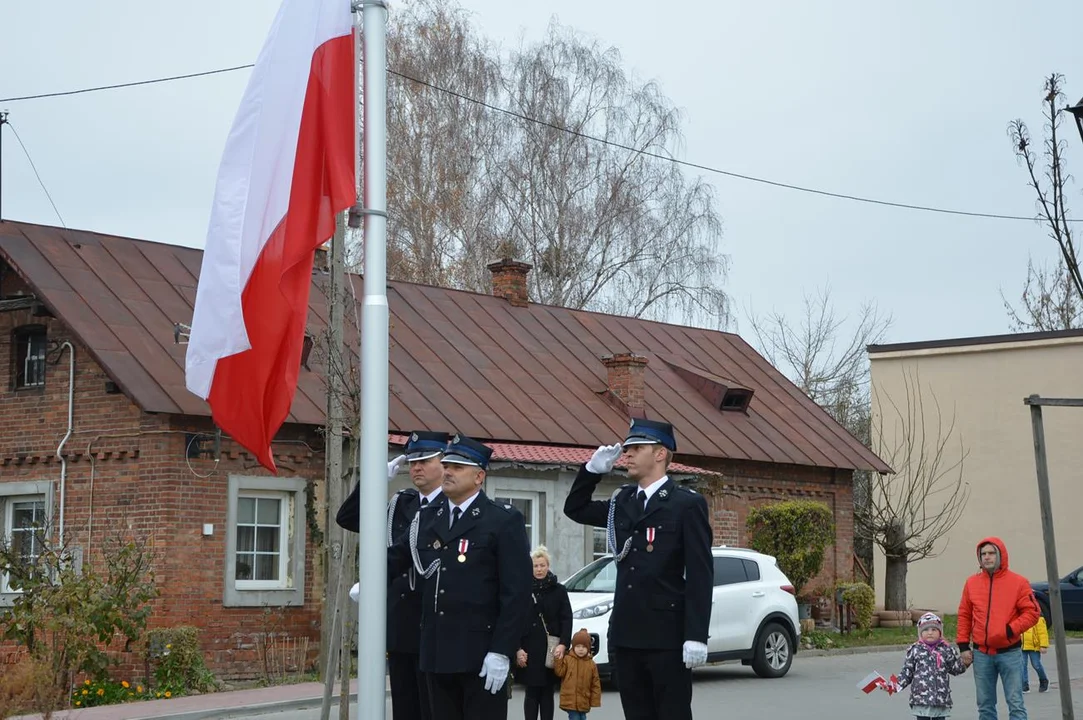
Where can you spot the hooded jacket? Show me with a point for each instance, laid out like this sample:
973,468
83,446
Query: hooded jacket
996,607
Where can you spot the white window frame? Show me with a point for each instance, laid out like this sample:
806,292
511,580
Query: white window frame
534,521
289,589
283,540
11,493
591,552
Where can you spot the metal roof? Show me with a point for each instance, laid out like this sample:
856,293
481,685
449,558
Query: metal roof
463,361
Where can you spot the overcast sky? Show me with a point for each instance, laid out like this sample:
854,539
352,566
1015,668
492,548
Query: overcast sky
906,102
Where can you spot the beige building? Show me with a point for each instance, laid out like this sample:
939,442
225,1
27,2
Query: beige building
980,384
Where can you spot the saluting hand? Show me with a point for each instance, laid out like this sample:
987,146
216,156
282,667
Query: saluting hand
394,465
604,458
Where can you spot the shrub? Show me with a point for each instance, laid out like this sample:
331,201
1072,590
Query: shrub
69,616
178,662
861,598
795,533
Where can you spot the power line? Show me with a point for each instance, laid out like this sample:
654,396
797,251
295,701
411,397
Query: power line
35,169
717,171
585,136
97,88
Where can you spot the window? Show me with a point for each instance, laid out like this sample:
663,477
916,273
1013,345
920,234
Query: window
265,542
527,503
752,570
29,357
599,576
729,570
260,557
24,508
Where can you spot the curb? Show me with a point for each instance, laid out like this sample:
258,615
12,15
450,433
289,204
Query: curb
864,649
252,710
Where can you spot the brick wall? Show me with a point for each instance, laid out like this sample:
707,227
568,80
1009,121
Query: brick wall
746,485
127,475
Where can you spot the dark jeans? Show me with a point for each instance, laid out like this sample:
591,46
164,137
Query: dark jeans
576,715
1035,658
538,699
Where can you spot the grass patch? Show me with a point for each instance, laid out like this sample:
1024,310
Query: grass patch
822,640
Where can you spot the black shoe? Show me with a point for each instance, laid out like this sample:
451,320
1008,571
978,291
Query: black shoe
1026,689
1043,686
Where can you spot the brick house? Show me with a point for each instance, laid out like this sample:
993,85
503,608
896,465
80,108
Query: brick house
87,332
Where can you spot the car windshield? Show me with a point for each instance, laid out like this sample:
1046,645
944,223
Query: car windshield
600,577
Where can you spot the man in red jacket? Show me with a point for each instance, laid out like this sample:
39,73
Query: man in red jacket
997,607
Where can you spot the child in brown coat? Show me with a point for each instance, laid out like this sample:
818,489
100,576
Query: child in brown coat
580,686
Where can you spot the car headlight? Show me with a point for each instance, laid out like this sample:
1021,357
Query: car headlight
593,610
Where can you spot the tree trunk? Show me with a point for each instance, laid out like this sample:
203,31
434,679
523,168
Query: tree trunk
895,583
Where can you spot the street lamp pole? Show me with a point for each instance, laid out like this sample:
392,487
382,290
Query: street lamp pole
1077,112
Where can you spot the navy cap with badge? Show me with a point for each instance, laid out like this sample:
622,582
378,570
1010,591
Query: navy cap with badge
651,432
422,445
464,451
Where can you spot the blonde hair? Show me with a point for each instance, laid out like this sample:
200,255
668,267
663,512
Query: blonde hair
541,552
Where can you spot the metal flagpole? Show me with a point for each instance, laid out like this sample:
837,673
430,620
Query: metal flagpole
372,561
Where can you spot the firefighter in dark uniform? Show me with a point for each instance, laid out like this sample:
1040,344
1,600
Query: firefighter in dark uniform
475,558
660,536
409,689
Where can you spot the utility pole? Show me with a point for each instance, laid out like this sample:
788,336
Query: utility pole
3,122
1045,502
333,620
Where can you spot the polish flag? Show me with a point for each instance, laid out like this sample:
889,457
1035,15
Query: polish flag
287,169
872,681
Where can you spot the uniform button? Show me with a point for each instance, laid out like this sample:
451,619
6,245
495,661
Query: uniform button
635,549
629,586
441,612
635,532
441,591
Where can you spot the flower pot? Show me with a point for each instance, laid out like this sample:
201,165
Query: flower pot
804,611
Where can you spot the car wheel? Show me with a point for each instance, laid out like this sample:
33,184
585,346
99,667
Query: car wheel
773,652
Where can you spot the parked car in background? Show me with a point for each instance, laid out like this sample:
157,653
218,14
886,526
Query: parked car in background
753,611
1071,599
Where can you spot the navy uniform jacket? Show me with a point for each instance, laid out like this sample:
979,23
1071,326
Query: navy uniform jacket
663,597
403,604
477,606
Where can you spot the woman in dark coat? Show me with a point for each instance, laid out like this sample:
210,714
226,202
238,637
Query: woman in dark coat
550,603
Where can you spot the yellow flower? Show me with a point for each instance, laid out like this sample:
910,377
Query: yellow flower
101,691
139,688
169,646
125,683
84,692
86,682
78,703
131,694
168,694
157,695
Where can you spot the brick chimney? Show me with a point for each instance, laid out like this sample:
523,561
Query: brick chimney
624,378
509,281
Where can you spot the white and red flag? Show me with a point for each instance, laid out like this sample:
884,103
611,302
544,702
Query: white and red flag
288,167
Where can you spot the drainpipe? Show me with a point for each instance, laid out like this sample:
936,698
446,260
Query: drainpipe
60,448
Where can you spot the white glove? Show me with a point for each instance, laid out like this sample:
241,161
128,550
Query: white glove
495,671
394,465
695,654
355,591
604,458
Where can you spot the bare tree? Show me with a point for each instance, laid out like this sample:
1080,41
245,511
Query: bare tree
824,358
913,509
829,363
608,223
441,147
1049,301
606,226
1048,177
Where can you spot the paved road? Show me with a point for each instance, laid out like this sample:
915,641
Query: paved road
816,687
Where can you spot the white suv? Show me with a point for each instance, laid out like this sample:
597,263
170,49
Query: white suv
753,611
